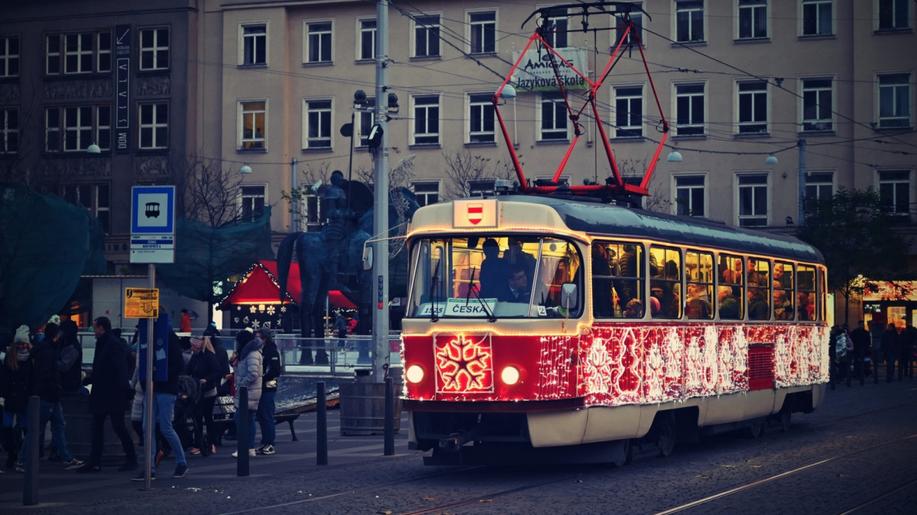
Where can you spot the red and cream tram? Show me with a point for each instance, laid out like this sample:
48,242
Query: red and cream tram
565,325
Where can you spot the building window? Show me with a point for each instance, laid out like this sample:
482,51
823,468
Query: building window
689,195
689,107
817,17
628,118
557,35
154,49
817,105
894,100
819,187
553,123
480,118
9,56
753,200
426,120
426,36
427,192
318,42
253,201
77,128
52,54
9,131
252,125
95,198
367,47
895,191
637,17
78,53
752,107
254,45
689,21
752,19
318,124
103,127
154,126
364,120
893,14
483,27
103,54
52,129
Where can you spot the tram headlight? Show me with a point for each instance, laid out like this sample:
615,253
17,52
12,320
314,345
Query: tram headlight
509,375
414,374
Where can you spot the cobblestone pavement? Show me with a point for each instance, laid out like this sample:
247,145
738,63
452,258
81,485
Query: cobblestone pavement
857,452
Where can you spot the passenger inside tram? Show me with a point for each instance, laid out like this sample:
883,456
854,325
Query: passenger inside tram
697,307
729,306
493,270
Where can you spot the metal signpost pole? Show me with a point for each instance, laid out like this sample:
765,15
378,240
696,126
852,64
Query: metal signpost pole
380,218
148,394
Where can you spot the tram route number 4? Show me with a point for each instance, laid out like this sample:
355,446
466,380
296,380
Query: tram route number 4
141,302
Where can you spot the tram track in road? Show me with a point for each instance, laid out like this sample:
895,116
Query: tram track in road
760,482
877,498
482,498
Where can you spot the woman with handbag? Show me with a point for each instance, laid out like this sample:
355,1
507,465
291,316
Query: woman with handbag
205,369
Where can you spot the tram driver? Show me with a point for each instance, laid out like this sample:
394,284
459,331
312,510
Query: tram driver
518,286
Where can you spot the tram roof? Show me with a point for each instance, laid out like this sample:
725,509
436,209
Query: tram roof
623,221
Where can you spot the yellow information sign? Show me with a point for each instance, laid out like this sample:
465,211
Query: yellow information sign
141,302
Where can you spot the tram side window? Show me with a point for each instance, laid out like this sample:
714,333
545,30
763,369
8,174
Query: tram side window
805,296
617,280
729,296
665,283
759,294
699,290
822,295
783,291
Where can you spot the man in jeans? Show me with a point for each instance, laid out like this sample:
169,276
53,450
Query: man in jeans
165,393
266,407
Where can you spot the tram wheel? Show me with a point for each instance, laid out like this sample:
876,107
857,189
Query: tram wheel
665,434
624,454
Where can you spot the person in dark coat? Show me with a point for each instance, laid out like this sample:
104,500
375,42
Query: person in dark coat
266,405
860,349
890,346
16,380
70,359
205,369
906,343
108,398
48,386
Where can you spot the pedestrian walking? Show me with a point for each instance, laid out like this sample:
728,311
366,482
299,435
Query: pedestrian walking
844,353
205,369
876,329
860,339
165,394
48,386
16,379
248,372
273,368
109,396
890,347
906,343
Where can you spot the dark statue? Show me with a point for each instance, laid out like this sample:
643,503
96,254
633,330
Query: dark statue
332,258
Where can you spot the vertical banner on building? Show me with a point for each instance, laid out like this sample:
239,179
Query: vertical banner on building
123,35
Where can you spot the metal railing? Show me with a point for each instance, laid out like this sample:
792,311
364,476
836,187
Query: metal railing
320,357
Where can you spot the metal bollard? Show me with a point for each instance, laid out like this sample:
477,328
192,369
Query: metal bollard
321,424
389,438
30,486
243,426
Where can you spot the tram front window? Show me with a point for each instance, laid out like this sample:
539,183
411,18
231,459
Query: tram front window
495,277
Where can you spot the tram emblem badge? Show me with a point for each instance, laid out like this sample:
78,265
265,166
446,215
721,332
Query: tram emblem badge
464,363
475,213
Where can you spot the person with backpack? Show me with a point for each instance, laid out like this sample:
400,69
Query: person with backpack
266,405
16,380
206,372
48,386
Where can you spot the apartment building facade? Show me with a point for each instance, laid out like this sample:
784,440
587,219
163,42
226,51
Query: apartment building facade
739,81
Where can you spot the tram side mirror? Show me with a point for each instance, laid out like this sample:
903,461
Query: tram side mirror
367,257
568,296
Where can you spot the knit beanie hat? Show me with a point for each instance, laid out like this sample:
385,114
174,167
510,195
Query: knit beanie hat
55,319
22,334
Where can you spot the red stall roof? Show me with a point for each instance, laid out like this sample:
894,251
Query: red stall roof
261,286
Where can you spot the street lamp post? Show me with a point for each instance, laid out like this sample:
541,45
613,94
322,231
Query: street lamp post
380,194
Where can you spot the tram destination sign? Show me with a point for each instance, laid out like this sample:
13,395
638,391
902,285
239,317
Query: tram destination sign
153,224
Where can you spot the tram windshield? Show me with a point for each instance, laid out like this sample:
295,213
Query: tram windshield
496,277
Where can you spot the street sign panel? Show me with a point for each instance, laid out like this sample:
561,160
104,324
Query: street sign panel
153,224
141,302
